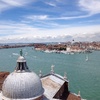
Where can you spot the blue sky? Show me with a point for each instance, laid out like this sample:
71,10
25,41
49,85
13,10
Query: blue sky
49,20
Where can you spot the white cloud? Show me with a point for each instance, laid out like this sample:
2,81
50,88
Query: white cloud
47,17
18,32
12,2
69,18
7,4
51,4
37,17
3,7
91,6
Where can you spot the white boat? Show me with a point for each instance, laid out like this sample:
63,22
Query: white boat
47,51
87,58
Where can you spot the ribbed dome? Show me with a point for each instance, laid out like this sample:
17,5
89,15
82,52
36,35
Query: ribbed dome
22,86
22,83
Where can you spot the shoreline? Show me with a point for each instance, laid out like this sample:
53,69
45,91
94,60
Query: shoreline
15,46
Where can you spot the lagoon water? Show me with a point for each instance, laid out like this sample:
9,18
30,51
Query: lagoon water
83,76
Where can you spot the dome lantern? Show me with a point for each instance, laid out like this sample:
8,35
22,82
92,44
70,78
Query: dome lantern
21,64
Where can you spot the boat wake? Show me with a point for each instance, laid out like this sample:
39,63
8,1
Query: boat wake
15,54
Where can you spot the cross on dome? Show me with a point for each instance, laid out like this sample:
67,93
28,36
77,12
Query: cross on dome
21,64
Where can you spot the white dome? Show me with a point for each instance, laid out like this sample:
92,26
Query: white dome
22,86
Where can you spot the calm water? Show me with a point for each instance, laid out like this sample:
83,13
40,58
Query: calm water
83,76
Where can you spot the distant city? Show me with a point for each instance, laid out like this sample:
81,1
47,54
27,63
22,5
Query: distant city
60,47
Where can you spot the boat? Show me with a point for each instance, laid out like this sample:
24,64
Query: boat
87,58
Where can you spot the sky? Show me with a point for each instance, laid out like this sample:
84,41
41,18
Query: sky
49,20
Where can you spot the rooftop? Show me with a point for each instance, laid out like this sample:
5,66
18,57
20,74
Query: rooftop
56,88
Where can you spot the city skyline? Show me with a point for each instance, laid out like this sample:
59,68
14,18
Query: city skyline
49,20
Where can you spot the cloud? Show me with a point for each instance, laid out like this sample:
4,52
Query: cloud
12,2
91,6
37,17
19,32
87,8
58,38
3,6
69,18
51,4
87,37
47,17
8,4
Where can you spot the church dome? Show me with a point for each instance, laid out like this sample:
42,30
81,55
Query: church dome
22,83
